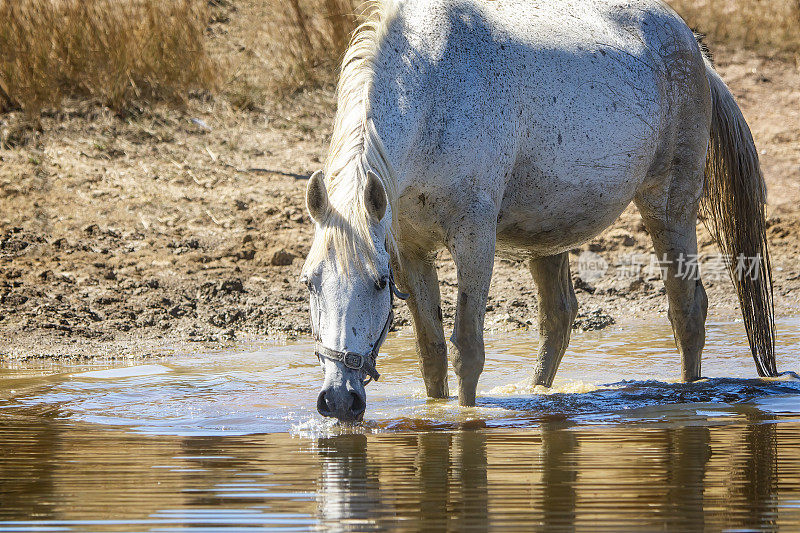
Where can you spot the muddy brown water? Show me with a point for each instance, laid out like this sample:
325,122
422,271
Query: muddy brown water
231,440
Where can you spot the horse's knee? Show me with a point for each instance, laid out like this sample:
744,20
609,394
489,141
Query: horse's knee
433,360
558,305
464,341
469,357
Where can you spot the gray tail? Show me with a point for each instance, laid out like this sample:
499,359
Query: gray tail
734,206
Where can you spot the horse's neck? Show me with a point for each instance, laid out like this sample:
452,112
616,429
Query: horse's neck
395,107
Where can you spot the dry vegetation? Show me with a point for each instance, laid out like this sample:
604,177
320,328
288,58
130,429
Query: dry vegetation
114,51
297,46
123,52
764,25
310,35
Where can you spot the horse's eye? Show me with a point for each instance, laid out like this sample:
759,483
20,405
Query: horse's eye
381,283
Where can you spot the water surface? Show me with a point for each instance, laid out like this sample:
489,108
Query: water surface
231,439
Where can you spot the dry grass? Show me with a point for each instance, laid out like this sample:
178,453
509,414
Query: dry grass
767,26
298,44
309,37
118,52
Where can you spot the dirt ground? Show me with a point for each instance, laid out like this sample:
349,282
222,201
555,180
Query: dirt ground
138,235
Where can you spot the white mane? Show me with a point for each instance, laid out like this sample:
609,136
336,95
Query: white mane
356,148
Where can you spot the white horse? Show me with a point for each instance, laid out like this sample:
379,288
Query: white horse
521,128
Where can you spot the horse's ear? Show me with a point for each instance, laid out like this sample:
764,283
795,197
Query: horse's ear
317,196
375,196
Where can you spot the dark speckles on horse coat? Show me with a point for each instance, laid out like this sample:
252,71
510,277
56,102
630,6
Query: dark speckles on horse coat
524,129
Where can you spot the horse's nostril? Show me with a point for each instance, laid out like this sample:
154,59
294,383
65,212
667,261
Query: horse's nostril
323,407
358,406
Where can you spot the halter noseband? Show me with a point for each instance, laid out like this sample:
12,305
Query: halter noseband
356,361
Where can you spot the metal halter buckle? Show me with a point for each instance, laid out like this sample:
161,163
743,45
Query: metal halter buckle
353,360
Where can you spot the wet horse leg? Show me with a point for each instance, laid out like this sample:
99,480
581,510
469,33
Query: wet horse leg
557,309
472,245
669,212
418,277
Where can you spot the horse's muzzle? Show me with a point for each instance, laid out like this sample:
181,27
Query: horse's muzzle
342,403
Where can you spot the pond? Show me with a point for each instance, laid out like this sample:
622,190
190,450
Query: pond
232,440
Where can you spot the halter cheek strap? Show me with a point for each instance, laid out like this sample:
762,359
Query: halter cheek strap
356,361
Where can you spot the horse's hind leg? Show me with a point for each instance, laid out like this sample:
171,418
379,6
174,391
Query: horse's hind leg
557,309
418,277
669,211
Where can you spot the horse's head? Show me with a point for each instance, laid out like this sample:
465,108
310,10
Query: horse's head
350,282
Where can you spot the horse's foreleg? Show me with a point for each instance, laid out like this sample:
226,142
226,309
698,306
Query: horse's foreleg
670,220
418,277
557,309
472,245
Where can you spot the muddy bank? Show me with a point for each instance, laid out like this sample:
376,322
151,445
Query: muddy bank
127,235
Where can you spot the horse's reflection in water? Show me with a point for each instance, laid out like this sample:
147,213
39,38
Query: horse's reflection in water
348,491
559,451
754,474
558,479
747,500
445,486
688,453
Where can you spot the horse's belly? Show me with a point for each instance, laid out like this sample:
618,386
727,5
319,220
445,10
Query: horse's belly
578,167
548,210
543,230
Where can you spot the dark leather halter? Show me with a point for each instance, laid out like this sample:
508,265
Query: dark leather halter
356,361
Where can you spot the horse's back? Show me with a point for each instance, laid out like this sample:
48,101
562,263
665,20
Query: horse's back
560,107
